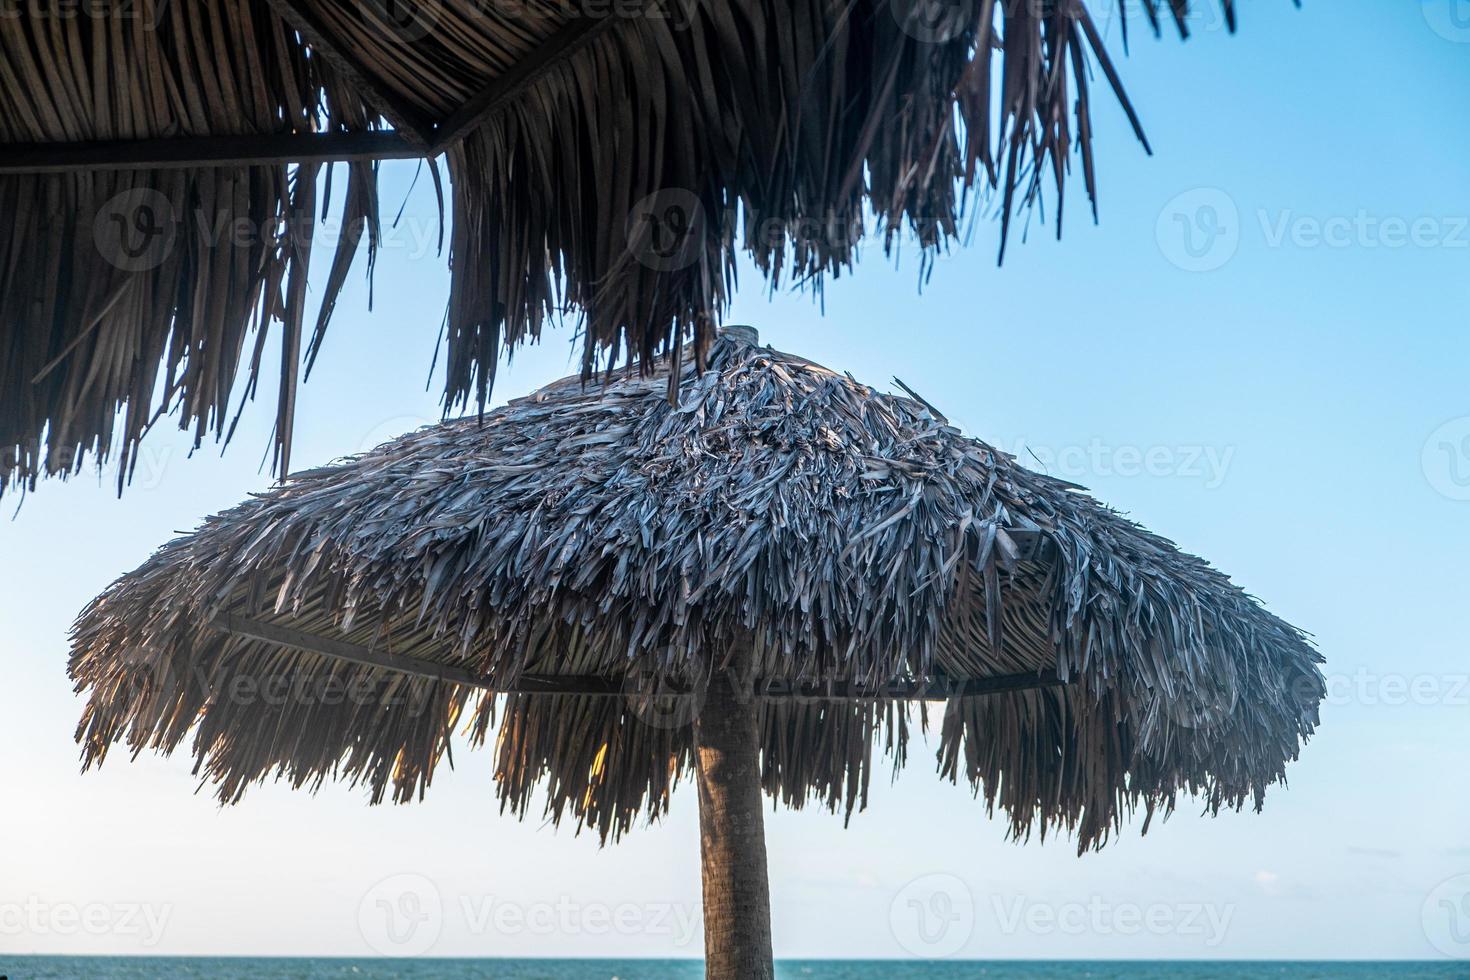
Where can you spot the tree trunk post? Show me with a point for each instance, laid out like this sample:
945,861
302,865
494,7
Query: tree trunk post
732,841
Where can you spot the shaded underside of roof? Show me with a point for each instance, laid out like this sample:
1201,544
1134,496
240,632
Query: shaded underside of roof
852,540
607,161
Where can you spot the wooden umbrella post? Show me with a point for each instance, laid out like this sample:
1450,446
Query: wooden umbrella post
732,842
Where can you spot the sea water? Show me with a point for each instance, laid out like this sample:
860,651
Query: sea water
263,968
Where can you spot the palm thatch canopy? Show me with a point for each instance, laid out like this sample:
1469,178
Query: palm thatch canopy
161,174
599,554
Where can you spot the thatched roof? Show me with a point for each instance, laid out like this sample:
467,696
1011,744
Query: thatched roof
605,159
602,541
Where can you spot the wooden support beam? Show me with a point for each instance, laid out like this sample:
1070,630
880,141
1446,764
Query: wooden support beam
930,690
565,42
414,126
933,689
340,649
414,138
166,153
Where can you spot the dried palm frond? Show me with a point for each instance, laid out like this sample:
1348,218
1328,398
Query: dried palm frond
618,180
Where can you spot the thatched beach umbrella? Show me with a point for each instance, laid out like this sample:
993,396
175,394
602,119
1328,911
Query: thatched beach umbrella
162,165
742,588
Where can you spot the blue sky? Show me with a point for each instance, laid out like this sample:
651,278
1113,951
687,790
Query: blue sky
1282,392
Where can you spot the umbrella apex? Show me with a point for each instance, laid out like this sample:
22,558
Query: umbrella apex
743,333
